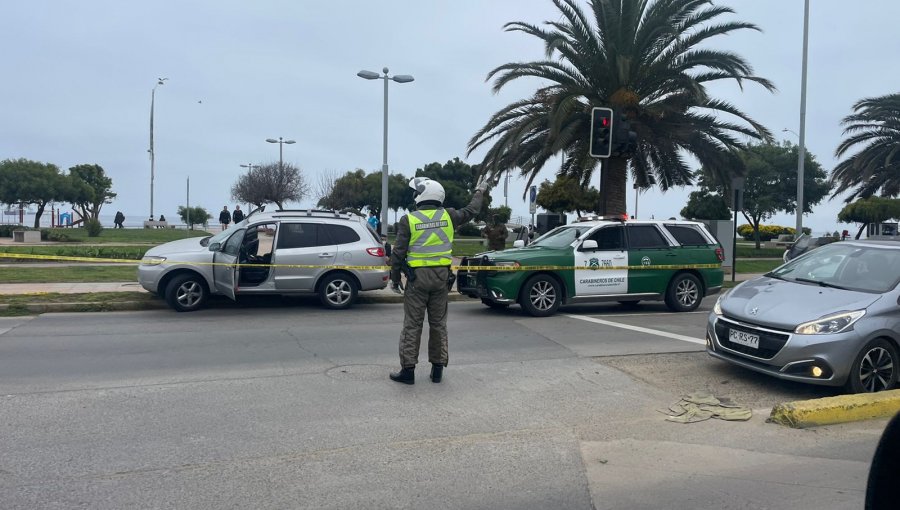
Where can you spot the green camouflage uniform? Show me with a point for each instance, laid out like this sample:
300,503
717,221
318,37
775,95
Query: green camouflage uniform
426,293
496,236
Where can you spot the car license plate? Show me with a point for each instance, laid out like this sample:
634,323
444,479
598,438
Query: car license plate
739,337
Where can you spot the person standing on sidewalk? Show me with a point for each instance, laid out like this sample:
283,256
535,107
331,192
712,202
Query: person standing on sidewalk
423,250
224,217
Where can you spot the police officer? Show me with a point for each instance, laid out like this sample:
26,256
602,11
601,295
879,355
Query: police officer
423,248
496,234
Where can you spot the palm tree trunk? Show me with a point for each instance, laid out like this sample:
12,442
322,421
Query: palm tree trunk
613,177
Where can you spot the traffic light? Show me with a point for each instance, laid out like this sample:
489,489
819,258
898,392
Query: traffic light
601,132
624,139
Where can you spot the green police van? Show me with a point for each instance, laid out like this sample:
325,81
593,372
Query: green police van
596,260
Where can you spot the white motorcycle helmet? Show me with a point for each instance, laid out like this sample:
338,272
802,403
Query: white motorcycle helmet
427,189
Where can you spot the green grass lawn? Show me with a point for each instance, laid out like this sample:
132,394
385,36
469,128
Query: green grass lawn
92,302
757,266
100,251
129,235
69,274
751,252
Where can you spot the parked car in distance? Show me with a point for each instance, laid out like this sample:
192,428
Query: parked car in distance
830,317
278,252
805,243
598,260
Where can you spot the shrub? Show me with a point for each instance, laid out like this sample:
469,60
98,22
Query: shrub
93,227
468,229
7,230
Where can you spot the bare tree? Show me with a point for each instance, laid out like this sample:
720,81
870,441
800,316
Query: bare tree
271,182
325,185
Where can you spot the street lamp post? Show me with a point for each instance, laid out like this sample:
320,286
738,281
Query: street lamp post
801,157
159,81
280,143
249,167
400,78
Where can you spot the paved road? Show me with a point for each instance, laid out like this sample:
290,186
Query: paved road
291,407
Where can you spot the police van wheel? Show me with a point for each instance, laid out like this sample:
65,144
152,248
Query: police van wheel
540,296
684,293
494,304
337,291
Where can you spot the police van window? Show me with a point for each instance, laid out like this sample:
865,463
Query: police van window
341,234
299,235
645,236
610,238
687,236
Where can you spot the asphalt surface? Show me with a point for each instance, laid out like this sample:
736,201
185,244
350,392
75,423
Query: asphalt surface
291,407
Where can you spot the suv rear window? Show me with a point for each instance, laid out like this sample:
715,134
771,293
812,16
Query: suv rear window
645,236
340,234
687,236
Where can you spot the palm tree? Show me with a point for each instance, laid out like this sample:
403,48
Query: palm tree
876,167
642,58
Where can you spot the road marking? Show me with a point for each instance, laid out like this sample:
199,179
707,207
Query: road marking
639,329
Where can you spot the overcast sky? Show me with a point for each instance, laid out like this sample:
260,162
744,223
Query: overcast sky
78,79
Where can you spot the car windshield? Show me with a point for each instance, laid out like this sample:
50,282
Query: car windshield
560,236
844,265
221,236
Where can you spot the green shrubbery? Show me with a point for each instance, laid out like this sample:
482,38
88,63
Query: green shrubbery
93,227
469,230
767,232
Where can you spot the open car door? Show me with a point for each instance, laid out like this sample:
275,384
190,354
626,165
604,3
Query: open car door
225,264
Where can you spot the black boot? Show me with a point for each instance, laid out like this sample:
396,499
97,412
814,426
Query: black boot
405,375
437,371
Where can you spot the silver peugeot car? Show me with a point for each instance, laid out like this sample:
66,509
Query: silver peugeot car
279,252
829,317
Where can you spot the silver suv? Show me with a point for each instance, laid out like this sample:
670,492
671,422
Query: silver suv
297,252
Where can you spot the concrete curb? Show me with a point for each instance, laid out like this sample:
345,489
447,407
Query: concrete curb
840,409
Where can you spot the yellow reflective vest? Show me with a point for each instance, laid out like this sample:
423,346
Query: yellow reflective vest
431,238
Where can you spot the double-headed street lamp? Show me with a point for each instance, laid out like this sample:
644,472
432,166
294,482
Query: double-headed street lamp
159,81
400,78
249,167
280,143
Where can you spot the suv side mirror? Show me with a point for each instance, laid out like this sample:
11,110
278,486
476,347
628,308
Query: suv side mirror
519,244
589,245
215,246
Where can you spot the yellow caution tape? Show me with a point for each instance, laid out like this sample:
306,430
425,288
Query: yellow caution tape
28,256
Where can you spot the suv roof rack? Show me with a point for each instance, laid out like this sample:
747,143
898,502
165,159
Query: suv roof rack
315,212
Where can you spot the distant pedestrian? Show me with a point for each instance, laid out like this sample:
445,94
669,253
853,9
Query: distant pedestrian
238,215
496,234
224,217
373,221
119,220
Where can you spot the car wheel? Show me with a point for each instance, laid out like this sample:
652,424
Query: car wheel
684,293
540,296
187,293
338,291
874,369
493,304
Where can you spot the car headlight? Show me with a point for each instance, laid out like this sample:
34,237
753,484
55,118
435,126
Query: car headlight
152,261
717,308
507,263
830,324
